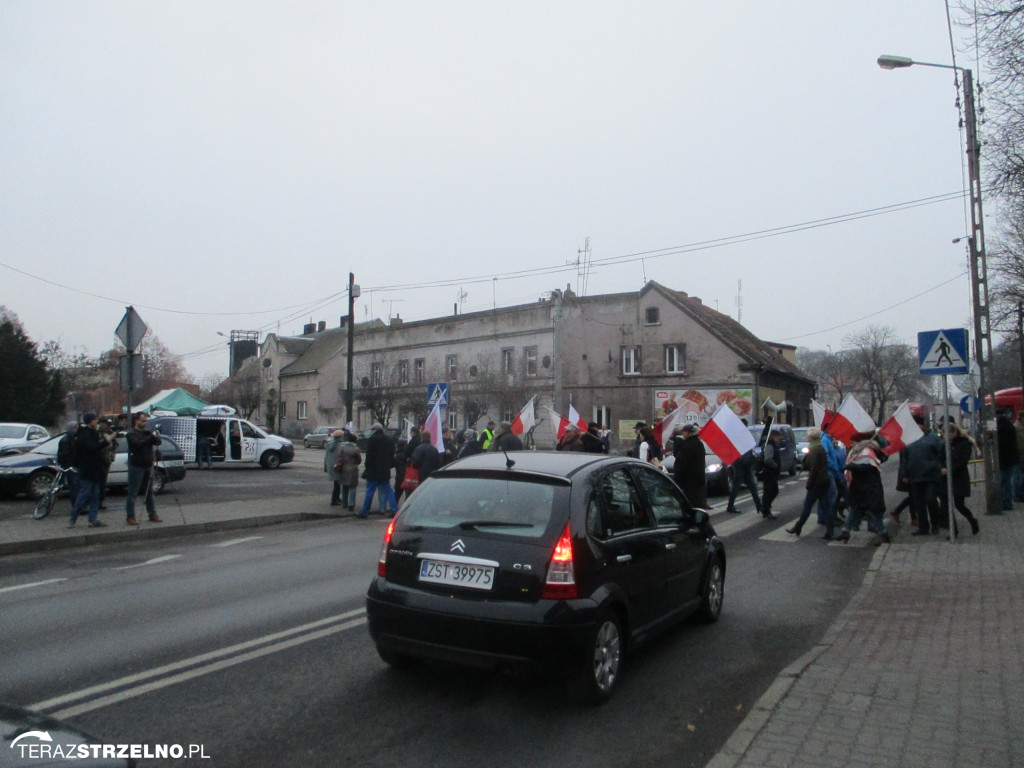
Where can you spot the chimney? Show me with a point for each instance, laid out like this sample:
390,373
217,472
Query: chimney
321,326
344,321
308,328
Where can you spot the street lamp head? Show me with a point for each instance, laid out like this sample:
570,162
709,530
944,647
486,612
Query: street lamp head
894,62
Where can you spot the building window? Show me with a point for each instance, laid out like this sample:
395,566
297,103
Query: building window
419,366
403,373
453,420
284,409
630,361
451,366
603,416
675,358
376,374
652,316
300,410
508,360
531,360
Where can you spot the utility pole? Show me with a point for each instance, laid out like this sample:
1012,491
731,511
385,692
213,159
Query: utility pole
353,292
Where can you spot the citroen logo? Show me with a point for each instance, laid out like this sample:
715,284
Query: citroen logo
458,546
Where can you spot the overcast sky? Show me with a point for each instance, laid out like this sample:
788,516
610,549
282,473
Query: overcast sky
225,165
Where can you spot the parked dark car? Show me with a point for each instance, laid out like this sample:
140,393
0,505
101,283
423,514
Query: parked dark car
788,460
560,562
32,473
803,445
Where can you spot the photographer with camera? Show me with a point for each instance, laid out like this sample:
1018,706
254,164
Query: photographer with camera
141,457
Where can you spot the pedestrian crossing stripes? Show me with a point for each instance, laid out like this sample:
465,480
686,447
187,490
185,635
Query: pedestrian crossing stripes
728,524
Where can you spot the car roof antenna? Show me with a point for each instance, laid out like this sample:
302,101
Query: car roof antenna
509,463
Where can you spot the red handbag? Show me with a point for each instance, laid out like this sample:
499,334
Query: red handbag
411,481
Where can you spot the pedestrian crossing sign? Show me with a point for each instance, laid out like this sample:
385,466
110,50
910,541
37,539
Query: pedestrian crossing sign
942,352
437,394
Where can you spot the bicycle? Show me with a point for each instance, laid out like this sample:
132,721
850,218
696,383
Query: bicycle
47,501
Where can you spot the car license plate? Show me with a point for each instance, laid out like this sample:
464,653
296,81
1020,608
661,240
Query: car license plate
175,463
457,574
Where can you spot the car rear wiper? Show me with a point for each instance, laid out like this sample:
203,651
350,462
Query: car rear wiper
467,524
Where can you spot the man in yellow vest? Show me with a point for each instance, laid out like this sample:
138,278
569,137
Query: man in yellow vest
487,435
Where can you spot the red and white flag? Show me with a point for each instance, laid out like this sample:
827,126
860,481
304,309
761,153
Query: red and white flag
726,435
900,430
562,423
433,426
526,420
665,426
848,420
575,418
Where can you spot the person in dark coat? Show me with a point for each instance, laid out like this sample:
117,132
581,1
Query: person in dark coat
142,445
819,485
961,451
1006,446
591,439
379,454
923,462
67,460
400,461
506,440
471,446
688,471
92,468
426,457
770,475
570,440
866,494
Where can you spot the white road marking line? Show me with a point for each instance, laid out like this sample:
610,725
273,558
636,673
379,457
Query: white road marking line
237,541
33,584
197,660
154,561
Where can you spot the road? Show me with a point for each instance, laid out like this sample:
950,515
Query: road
255,647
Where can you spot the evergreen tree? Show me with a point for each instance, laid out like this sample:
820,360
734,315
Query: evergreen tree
28,393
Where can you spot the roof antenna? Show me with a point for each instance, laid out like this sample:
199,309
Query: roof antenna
509,463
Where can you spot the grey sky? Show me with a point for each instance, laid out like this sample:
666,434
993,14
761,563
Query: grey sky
242,157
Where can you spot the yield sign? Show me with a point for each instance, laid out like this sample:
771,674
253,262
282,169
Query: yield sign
942,352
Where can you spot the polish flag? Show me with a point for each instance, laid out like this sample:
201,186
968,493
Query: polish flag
562,423
665,426
900,430
433,425
848,420
726,435
526,420
575,418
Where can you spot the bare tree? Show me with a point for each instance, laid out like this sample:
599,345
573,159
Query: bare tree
833,372
886,369
1006,264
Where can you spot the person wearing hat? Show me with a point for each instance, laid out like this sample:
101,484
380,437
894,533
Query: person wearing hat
506,440
689,469
591,439
92,467
771,469
635,450
472,445
570,440
379,454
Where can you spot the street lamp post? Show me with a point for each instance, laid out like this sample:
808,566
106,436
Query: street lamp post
979,269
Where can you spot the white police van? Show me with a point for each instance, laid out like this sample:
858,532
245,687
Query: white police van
233,440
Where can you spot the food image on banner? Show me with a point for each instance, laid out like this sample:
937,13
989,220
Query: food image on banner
699,404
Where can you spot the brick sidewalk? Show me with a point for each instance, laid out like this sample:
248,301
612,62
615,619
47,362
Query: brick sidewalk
924,668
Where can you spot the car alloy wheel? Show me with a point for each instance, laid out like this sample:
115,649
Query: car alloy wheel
39,483
602,661
714,593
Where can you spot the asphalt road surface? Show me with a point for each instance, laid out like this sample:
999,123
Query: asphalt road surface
254,646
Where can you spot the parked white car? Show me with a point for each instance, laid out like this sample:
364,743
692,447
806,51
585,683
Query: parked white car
18,438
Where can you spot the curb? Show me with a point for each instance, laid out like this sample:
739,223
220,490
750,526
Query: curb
190,529
739,742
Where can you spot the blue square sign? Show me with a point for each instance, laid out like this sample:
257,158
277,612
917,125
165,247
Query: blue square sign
942,352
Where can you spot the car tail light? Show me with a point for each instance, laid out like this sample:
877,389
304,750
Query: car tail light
561,581
382,561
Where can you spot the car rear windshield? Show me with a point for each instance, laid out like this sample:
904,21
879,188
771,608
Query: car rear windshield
510,507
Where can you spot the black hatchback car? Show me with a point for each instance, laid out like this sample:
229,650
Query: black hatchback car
557,561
